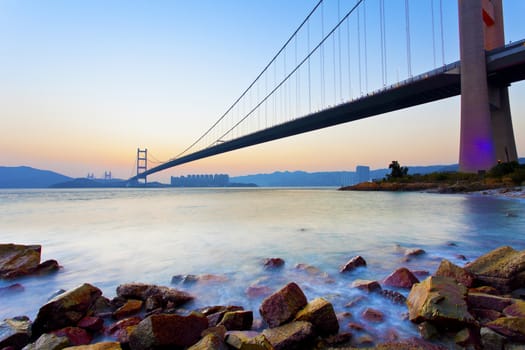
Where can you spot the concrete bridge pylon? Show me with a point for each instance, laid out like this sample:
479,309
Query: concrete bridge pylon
486,135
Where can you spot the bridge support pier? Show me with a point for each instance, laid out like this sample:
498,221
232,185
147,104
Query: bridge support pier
486,135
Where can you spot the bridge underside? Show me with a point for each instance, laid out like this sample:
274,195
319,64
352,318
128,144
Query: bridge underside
504,66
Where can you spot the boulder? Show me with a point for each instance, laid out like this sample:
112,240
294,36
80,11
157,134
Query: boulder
295,335
352,264
143,291
158,331
491,339
441,301
237,320
373,315
502,268
48,341
91,323
517,308
320,313
282,306
401,278
131,307
448,269
393,296
216,313
367,285
511,327
414,252
76,335
210,342
98,346
243,340
16,257
65,309
256,291
488,301
273,263
468,338
122,325
15,332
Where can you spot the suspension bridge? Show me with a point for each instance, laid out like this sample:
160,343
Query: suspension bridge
336,67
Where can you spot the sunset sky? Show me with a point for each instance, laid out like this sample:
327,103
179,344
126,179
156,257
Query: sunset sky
84,83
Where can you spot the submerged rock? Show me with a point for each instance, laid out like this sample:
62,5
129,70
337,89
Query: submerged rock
282,306
15,332
401,278
273,263
353,263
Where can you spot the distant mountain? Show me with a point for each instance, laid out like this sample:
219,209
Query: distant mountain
27,177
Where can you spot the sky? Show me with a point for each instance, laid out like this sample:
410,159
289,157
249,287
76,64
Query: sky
85,83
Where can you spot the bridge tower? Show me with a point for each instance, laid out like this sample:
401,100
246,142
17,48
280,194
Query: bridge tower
142,164
486,135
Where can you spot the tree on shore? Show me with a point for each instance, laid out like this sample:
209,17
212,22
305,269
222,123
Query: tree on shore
397,171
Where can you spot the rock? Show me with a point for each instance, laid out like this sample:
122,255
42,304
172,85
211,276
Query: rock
485,315
320,313
401,278
294,335
427,330
468,337
511,327
144,291
47,267
248,341
157,331
76,335
491,339
338,339
210,342
48,341
412,344
90,323
273,263
393,296
282,306
441,301
484,290
13,288
367,285
18,260
517,308
216,313
131,307
414,252
353,263
217,330
190,279
122,325
98,346
101,307
66,309
448,269
487,301
15,332
502,268
237,320
373,315
256,291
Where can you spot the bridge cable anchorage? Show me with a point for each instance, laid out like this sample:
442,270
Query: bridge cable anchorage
307,58
407,17
433,32
442,37
254,81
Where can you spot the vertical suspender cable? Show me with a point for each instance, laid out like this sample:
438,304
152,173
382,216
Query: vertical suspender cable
321,56
309,74
339,39
433,32
334,64
441,25
383,46
407,17
349,60
366,49
359,49
297,84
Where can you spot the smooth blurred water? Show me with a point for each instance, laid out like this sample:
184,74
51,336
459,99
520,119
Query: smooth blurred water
109,237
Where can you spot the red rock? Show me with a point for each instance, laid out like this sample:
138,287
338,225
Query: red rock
393,296
485,315
294,335
401,278
511,327
357,300
467,337
76,336
366,285
487,301
273,263
356,326
414,252
237,320
167,331
123,324
258,291
353,263
282,306
517,308
93,324
448,269
320,313
131,307
373,315
18,260
484,290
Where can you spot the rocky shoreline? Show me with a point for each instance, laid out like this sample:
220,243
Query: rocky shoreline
478,306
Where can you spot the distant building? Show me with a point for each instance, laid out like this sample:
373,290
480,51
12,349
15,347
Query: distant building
217,180
362,173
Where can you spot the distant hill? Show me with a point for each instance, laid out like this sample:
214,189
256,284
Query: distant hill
27,177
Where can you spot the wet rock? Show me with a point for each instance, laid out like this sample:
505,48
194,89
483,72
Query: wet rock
491,339
393,296
511,327
165,330
401,278
294,335
367,285
66,309
282,306
15,332
190,279
48,341
237,320
484,290
412,344
441,301
13,288
47,267
101,307
320,313
427,330
144,291
356,301
448,269
414,252
76,335
123,328
131,307
488,301
273,263
468,337
485,315
256,291
210,342
373,315
353,263
338,339
216,313
98,346
356,326
90,323
502,268
248,341
18,260
217,330
517,308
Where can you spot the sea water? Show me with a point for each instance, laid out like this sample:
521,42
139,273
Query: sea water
109,237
